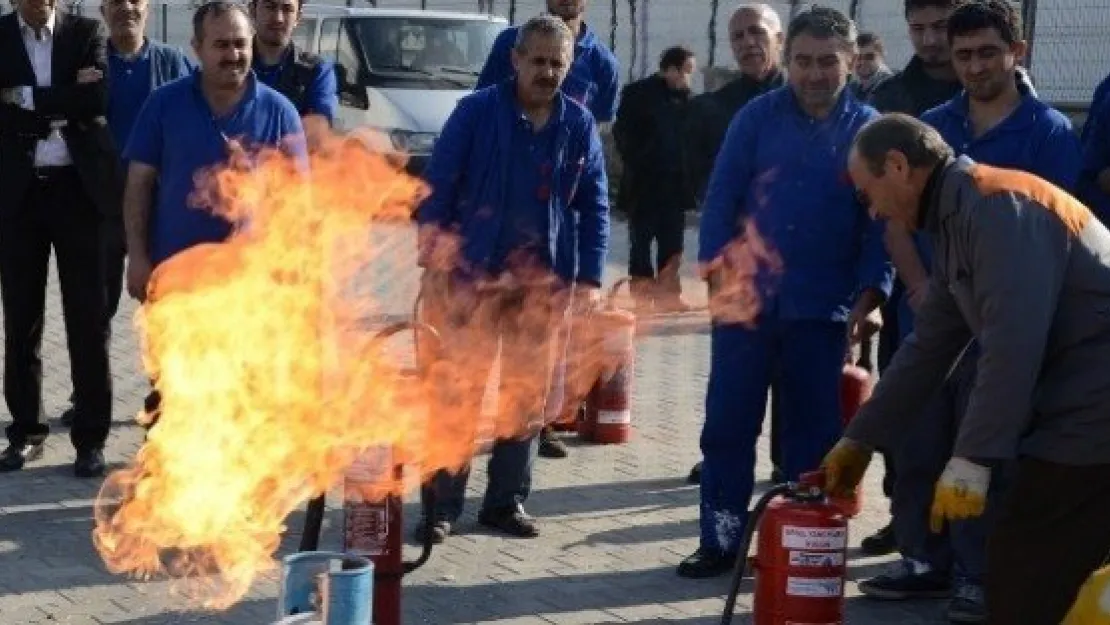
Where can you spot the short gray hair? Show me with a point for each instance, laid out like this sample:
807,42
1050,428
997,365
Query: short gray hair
922,145
822,22
546,25
767,14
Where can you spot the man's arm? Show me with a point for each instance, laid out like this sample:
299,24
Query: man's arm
605,105
79,100
1019,257
628,129
1060,157
323,94
733,172
873,270
444,173
498,65
591,203
919,366
138,197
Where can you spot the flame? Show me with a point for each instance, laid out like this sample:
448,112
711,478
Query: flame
272,382
744,267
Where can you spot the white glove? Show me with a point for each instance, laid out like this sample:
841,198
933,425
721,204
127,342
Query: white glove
961,492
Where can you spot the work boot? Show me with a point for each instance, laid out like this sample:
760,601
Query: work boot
439,531
668,290
89,463
512,520
695,475
907,581
968,605
550,445
880,543
705,563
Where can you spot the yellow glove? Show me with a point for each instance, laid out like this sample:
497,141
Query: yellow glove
844,467
1092,606
961,493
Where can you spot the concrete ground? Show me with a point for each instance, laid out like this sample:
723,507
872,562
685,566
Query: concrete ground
616,520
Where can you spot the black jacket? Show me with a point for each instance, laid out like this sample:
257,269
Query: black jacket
912,91
707,122
79,42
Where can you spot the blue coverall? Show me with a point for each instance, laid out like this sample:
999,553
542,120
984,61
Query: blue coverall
1034,138
786,172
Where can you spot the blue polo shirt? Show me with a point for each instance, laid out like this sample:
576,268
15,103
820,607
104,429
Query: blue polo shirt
129,84
177,133
321,95
1096,153
592,81
523,234
787,173
1034,138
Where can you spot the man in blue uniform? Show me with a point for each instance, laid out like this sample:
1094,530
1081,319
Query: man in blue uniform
996,121
594,77
782,172
136,66
193,124
307,80
1094,180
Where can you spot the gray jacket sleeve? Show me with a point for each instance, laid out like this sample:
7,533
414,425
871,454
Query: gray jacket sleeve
1018,258
919,366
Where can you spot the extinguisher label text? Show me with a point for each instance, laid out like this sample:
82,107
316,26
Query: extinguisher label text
813,586
816,558
814,538
614,417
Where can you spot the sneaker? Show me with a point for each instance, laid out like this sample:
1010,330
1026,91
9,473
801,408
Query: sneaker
968,605
880,543
695,475
550,445
436,532
706,563
905,581
513,521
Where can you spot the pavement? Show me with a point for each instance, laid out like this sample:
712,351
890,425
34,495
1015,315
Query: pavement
615,520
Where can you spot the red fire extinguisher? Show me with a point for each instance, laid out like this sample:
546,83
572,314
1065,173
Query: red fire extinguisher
607,417
373,524
855,389
800,563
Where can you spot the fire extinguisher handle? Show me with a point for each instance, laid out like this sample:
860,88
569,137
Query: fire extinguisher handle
741,568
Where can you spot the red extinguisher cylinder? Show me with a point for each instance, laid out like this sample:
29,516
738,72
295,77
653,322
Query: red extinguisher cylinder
855,389
607,418
372,528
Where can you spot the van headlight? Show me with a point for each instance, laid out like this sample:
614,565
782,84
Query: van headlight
412,142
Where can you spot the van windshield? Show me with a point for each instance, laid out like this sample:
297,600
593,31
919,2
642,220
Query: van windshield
425,53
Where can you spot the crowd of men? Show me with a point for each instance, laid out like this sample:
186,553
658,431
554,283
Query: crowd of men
946,196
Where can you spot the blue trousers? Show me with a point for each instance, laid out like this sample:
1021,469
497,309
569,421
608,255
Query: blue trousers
805,358
961,548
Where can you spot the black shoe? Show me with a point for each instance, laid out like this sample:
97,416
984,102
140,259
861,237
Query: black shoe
695,475
905,583
550,446
89,463
15,456
437,531
67,417
705,563
512,520
880,543
968,605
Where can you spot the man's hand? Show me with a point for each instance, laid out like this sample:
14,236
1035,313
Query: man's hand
1092,606
844,467
865,319
961,493
585,299
88,75
139,269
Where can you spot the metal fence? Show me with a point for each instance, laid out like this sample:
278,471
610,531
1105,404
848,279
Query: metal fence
1069,51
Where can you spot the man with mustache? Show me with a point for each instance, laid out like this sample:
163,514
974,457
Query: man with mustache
195,124
136,66
307,80
755,38
781,177
58,173
516,225
995,121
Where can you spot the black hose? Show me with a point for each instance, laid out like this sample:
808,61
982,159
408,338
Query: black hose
313,524
745,543
429,506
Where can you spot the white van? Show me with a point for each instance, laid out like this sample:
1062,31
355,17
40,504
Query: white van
401,71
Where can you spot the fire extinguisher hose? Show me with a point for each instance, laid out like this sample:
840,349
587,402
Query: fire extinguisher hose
745,544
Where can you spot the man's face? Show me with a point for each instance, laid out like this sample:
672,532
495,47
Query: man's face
929,35
275,21
985,63
125,17
818,70
35,12
541,68
868,62
890,196
680,78
566,9
754,46
224,50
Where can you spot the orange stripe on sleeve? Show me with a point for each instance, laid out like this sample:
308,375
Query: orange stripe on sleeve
989,180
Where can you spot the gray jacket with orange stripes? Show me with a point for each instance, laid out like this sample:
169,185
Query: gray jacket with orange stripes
1024,268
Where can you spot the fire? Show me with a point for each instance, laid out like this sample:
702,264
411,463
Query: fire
748,266
271,380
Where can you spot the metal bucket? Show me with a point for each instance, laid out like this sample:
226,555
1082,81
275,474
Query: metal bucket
337,586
